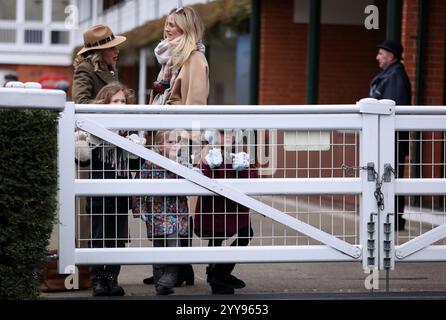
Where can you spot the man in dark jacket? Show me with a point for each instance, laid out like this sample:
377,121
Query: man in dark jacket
393,83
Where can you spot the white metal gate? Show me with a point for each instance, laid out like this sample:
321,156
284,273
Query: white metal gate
374,243
376,122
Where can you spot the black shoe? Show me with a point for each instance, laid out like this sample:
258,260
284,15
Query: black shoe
228,281
185,274
164,291
236,282
148,280
114,289
218,289
208,274
189,282
100,288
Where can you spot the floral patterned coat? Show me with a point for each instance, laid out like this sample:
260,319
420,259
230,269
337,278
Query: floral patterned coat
164,215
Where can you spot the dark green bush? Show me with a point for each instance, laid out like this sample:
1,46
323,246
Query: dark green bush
28,189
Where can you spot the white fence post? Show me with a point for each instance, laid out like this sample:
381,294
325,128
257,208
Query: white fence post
368,208
66,169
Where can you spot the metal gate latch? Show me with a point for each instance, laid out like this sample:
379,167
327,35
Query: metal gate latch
371,173
388,170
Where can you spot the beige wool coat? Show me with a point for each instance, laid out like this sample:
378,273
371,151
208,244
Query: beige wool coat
87,82
191,86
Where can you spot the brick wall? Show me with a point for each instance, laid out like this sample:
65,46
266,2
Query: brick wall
434,48
347,65
347,62
347,58
435,53
28,73
433,74
434,88
409,33
283,46
32,73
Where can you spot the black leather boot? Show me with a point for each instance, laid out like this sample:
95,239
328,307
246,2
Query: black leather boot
148,280
100,288
98,281
113,288
218,289
111,275
185,274
209,272
221,276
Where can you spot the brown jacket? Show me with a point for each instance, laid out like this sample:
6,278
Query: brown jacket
87,82
191,86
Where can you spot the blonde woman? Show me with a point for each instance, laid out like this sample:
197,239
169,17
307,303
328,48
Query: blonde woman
95,64
183,80
184,75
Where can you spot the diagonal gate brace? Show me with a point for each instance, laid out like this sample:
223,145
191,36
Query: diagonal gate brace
219,188
421,242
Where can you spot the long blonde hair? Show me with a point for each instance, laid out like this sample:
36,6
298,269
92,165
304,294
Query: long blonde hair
188,21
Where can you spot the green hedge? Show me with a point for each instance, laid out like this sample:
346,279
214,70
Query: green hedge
28,189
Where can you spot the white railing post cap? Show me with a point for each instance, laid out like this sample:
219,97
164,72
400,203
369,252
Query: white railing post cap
368,100
373,106
33,85
21,85
15,84
388,102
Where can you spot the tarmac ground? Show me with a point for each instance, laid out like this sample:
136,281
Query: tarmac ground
292,281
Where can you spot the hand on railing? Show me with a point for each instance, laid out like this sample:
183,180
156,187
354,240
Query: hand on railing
81,146
138,140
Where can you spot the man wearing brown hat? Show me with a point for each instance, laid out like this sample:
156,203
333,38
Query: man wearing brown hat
95,64
393,83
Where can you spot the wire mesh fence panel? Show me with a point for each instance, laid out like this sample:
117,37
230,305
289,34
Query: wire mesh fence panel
210,220
420,155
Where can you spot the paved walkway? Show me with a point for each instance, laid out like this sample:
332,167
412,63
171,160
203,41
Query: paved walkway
293,281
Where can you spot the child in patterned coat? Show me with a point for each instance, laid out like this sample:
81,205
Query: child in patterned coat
166,217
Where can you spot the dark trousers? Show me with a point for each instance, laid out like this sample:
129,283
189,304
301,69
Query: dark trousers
401,151
109,224
222,270
186,271
165,275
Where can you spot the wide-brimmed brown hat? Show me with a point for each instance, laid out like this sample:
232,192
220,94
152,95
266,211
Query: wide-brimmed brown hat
100,36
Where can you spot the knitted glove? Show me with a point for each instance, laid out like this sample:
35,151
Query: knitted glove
138,140
240,161
81,146
80,135
214,158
